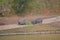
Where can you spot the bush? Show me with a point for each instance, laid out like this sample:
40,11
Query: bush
1,0
19,6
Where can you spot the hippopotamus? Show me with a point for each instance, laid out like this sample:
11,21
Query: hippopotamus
33,21
21,22
36,21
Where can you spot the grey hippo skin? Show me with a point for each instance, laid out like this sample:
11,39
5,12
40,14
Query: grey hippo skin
33,21
21,22
37,20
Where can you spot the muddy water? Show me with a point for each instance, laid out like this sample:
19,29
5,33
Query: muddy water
32,37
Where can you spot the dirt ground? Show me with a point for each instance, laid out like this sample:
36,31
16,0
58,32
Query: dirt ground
14,19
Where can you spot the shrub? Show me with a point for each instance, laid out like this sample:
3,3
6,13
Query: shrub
19,6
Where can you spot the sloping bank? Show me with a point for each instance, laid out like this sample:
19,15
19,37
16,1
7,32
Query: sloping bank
44,21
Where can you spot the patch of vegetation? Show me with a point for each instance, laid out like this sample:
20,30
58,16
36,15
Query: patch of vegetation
29,24
19,5
1,0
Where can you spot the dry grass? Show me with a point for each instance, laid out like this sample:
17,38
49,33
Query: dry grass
30,28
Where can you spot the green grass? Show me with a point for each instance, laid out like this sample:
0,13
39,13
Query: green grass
29,24
1,0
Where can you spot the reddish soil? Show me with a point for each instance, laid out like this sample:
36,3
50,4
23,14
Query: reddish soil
14,19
